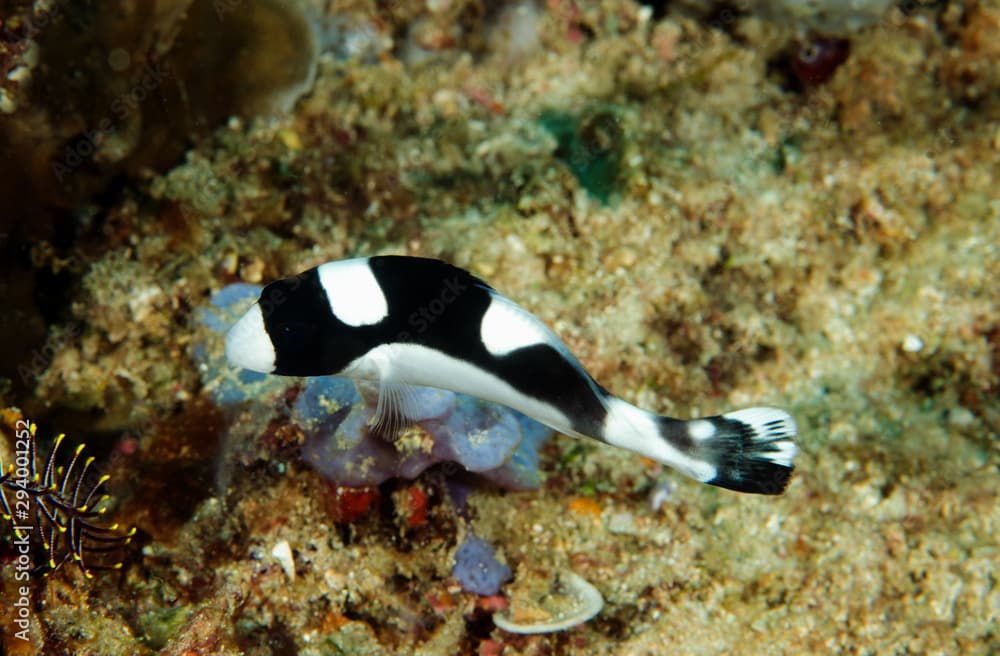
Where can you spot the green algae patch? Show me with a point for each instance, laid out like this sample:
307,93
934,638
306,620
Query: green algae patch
591,146
160,625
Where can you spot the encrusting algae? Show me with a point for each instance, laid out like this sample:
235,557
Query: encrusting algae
711,208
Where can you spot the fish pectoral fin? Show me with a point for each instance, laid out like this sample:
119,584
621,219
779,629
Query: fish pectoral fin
398,406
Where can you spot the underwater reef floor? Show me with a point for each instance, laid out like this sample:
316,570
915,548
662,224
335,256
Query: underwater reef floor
707,216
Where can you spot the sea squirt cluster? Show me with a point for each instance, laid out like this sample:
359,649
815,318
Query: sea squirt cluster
477,568
336,417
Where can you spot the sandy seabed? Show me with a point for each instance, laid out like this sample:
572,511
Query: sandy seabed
705,230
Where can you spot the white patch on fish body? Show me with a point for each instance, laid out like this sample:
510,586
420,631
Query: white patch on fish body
413,364
354,294
637,430
699,429
248,345
506,327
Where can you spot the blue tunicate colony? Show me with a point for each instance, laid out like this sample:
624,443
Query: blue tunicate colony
477,568
334,413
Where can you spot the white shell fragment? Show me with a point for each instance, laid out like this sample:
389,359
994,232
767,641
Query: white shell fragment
573,601
282,552
912,344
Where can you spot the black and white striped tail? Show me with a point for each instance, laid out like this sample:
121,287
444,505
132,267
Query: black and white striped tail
749,450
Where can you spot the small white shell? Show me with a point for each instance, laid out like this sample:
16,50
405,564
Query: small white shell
282,552
912,344
573,602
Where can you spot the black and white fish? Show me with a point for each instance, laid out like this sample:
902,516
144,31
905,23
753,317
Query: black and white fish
405,321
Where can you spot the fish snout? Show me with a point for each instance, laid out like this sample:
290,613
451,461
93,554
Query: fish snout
248,344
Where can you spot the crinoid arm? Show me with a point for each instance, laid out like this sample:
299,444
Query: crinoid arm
65,510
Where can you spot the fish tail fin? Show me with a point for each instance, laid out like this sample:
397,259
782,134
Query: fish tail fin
747,450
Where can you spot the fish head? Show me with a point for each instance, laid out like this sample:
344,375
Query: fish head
290,331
